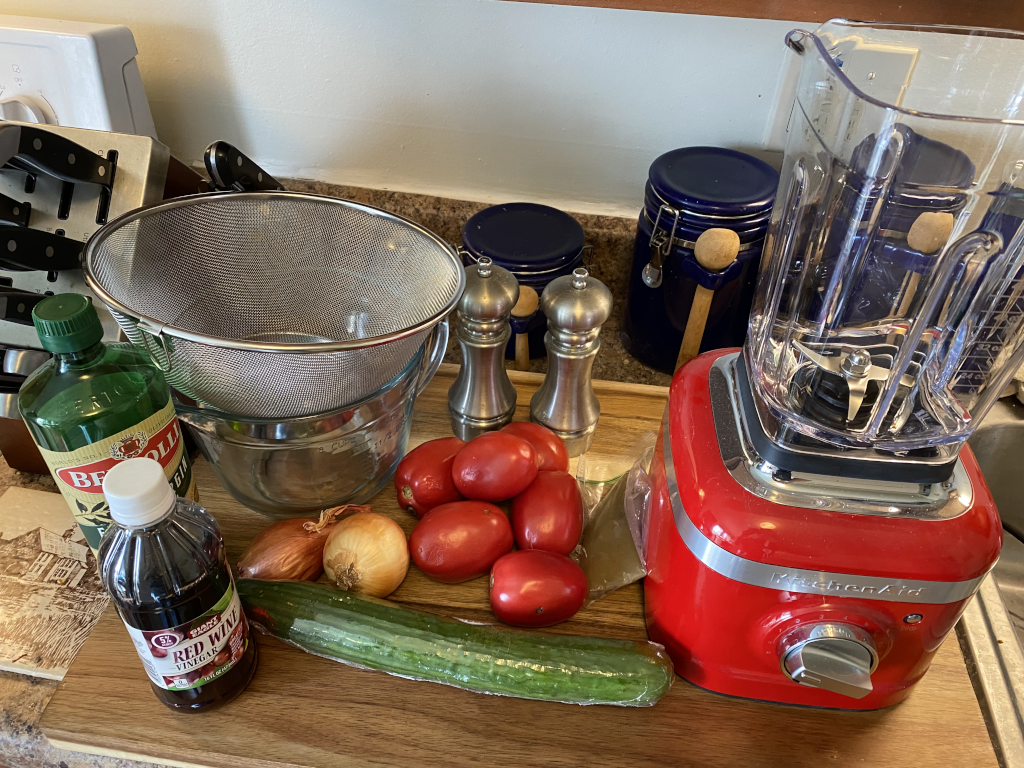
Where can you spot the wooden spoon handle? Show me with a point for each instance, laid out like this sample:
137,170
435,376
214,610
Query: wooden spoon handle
695,323
522,351
909,293
715,249
526,306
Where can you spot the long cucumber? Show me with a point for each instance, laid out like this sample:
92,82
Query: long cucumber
383,635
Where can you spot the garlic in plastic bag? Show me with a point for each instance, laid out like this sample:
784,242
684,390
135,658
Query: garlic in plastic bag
616,497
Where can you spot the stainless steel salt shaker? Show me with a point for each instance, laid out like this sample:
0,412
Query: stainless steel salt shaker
482,398
576,307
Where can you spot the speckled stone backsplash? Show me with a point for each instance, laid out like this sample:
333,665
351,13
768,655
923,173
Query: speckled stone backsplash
610,236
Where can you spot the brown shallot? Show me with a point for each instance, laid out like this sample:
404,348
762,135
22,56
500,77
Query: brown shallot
294,548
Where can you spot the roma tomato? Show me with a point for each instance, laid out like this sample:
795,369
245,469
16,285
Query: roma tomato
551,451
494,467
424,477
549,514
460,541
533,588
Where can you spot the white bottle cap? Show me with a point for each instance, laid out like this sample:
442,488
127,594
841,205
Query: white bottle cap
138,492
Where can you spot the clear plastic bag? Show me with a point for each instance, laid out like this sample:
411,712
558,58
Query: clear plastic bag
615,496
637,505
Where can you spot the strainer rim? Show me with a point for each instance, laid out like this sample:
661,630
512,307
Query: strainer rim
157,327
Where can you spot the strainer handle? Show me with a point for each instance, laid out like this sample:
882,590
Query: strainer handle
438,345
156,333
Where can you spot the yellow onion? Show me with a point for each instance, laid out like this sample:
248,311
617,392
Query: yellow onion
292,549
367,553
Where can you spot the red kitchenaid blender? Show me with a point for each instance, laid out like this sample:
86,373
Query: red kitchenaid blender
818,523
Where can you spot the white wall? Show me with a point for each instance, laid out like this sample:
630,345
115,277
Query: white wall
479,99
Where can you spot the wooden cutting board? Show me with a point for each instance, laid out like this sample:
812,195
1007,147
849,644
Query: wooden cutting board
307,711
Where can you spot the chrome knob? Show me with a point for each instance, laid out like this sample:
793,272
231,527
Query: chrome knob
835,657
856,364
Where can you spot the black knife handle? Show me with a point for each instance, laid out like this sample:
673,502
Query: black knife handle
16,306
14,213
230,170
33,249
38,151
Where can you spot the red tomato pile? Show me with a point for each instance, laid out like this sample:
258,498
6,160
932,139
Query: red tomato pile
424,477
453,486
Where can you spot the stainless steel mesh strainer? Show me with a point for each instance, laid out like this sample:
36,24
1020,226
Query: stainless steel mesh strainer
274,304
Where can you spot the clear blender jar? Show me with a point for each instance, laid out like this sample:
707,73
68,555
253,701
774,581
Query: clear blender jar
889,315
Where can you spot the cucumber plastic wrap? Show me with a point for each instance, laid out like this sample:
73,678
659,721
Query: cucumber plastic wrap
378,634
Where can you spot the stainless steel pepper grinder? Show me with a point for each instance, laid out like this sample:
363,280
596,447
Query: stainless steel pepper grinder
482,398
576,307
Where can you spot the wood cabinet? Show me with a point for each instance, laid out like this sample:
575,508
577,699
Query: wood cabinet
1001,14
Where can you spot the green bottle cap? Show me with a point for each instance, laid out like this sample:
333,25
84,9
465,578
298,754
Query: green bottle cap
67,323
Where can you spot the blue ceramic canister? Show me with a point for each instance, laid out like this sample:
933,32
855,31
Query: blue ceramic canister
688,191
536,243
928,176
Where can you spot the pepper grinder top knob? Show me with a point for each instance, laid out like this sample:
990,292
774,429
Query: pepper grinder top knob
576,303
490,294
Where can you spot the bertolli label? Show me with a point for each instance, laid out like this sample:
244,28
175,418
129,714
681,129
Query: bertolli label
79,474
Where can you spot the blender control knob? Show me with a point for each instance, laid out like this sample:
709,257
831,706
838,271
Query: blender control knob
837,657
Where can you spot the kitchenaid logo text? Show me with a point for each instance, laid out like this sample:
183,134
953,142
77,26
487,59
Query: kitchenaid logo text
801,584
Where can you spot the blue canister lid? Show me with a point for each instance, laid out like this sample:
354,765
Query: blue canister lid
929,173
524,237
714,180
684,232
652,205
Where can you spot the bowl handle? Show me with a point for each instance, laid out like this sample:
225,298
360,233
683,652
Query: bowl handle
437,346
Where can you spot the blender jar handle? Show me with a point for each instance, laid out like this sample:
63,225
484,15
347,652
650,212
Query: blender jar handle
773,273
973,287
437,346
970,246
963,293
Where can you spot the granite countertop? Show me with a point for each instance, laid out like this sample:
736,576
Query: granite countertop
23,698
611,239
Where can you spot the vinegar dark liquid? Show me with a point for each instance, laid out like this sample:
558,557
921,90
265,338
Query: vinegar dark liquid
170,574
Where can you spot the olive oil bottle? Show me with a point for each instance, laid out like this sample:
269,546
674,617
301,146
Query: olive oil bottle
94,405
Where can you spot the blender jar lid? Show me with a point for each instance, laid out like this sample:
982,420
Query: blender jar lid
524,237
714,180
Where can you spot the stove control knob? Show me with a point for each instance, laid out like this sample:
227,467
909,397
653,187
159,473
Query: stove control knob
22,109
836,657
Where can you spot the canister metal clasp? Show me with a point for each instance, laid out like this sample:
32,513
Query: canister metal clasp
661,247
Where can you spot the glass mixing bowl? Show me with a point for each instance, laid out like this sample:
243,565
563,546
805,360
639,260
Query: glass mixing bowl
289,467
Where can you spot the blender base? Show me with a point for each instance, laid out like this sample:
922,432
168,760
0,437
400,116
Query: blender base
750,596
